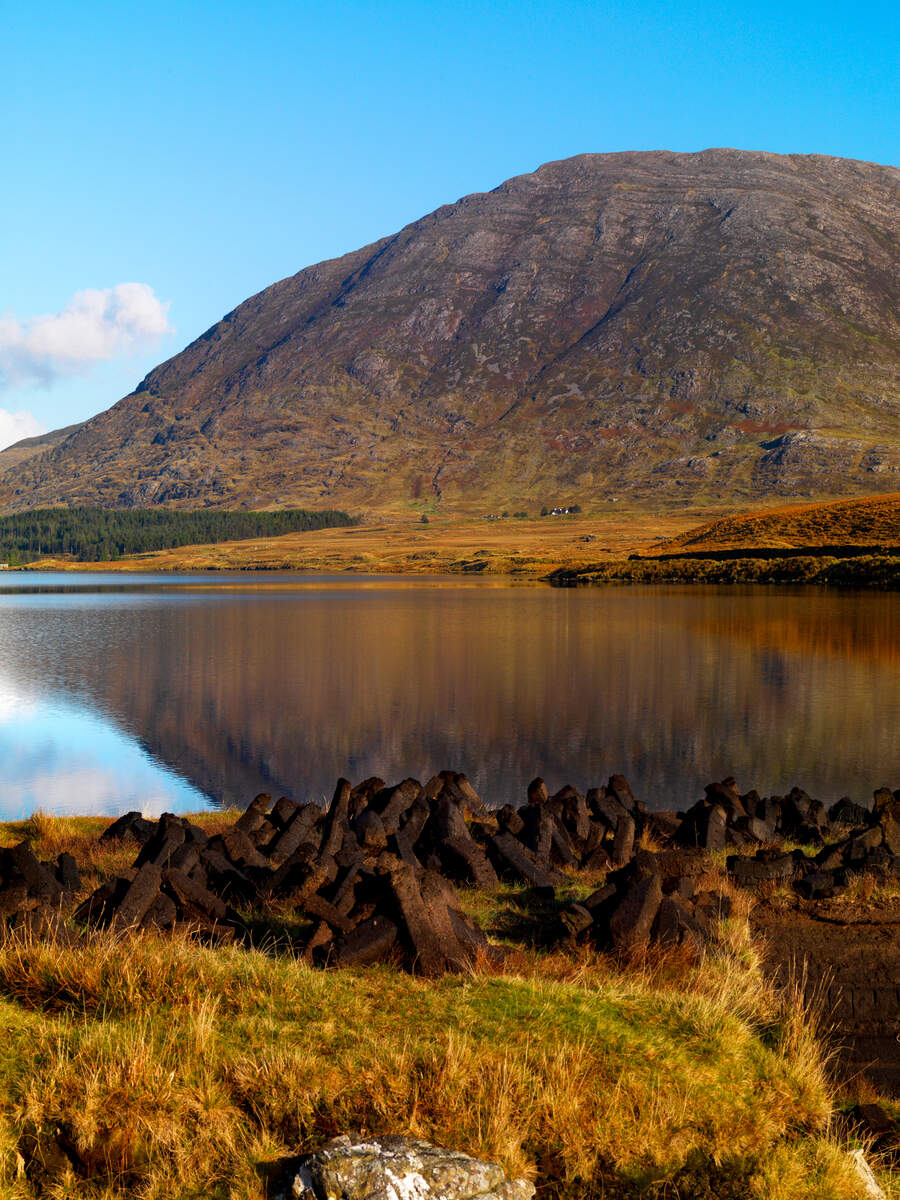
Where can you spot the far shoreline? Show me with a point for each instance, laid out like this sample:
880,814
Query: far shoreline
851,542
875,571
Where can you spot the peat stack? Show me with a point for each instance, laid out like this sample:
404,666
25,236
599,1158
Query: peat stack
352,870
34,893
375,875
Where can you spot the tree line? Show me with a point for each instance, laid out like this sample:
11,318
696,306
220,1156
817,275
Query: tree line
105,534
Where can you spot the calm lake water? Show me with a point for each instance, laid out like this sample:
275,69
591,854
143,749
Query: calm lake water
177,692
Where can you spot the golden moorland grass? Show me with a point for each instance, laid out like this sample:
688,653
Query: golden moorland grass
174,1069
869,521
534,547
391,544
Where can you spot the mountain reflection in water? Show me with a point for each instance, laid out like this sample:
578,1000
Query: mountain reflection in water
153,694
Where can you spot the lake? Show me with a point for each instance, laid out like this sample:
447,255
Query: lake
183,692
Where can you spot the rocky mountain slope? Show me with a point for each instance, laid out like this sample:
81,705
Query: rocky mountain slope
662,326
20,452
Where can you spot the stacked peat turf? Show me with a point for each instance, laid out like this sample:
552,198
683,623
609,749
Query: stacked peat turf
351,870
847,838
670,897
859,841
374,875
33,893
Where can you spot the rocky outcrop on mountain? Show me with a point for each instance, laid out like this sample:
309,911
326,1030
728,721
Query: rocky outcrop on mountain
657,325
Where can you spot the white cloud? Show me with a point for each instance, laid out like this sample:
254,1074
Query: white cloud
97,324
17,425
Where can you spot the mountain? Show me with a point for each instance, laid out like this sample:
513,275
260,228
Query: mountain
720,325
20,452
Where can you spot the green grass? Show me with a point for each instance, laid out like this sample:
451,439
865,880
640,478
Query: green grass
179,1070
173,1069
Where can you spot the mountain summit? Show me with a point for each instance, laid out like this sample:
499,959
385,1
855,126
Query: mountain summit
721,325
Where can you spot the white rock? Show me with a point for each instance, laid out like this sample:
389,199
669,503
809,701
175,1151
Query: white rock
867,1178
400,1168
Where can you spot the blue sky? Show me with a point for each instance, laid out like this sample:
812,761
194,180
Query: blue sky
205,150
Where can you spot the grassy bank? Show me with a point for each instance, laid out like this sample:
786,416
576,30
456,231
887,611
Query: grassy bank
877,571
175,1070
159,1067
866,521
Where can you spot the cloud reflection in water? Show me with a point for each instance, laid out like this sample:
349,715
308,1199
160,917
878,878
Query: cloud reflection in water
172,694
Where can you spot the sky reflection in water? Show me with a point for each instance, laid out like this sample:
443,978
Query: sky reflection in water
66,760
169,693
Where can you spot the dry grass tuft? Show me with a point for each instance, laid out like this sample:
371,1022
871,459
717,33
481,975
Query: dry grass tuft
170,1069
175,1070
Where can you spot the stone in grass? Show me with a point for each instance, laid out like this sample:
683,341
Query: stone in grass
870,1185
401,1168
